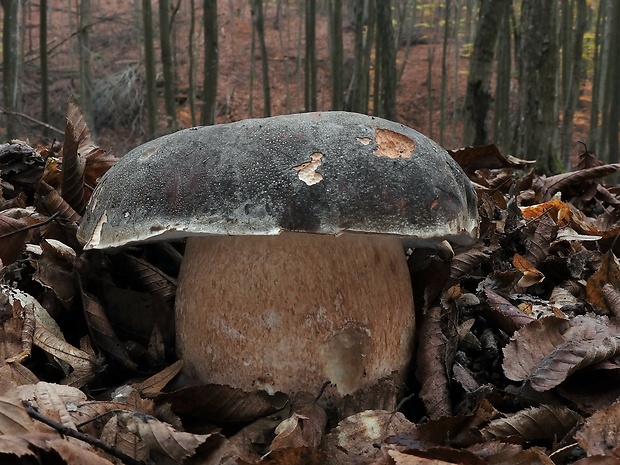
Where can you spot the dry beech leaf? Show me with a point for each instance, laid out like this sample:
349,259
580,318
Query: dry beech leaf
77,137
531,424
601,433
103,333
13,417
457,431
13,375
146,277
290,456
548,350
568,181
52,202
431,369
495,452
304,427
608,273
51,400
464,262
55,270
544,234
354,439
531,275
152,386
85,366
75,454
223,404
124,440
436,455
598,460
12,238
98,162
485,156
160,438
503,314
612,299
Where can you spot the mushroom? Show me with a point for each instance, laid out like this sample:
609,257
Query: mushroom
294,272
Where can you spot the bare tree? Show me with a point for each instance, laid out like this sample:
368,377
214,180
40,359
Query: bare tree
611,106
385,62
149,67
359,90
45,105
538,63
573,57
501,114
211,51
310,73
478,97
336,53
165,37
86,101
259,27
10,62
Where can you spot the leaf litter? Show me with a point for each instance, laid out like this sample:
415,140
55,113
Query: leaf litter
518,347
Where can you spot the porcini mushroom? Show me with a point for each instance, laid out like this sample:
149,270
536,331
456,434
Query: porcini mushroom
294,272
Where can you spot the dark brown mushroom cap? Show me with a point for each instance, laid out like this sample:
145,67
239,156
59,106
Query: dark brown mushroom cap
327,173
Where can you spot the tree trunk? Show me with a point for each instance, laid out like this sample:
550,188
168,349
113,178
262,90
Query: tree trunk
538,64
209,92
10,63
149,68
310,88
386,58
259,26
86,101
166,63
358,93
478,96
444,74
501,119
596,79
45,106
191,81
336,53
571,87
611,118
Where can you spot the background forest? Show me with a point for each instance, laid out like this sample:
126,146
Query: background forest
533,77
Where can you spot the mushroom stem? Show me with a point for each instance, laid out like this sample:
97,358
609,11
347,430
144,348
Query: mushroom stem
293,311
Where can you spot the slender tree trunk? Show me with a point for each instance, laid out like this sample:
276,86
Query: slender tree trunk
359,88
501,121
149,68
574,80
596,79
86,101
165,38
386,56
209,92
191,81
538,63
259,26
444,74
310,73
45,106
478,97
611,119
10,62
336,53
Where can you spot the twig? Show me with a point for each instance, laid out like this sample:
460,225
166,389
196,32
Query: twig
31,226
66,431
31,119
